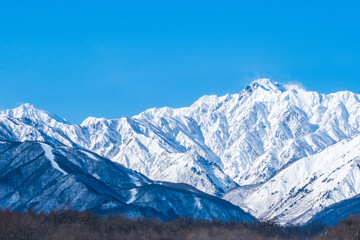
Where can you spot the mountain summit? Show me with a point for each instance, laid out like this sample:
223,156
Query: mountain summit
267,84
29,111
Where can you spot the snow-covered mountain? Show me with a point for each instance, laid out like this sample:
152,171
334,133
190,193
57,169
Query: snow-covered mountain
305,187
44,177
152,152
215,144
243,141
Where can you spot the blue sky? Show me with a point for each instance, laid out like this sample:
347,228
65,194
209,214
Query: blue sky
118,58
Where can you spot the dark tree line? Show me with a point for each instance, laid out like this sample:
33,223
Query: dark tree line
65,224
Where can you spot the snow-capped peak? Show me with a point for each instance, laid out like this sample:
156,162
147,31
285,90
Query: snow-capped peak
267,84
263,82
92,120
30,112
24,110
27,106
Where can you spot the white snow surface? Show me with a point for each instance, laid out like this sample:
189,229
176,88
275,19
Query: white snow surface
49,155
245,139
198,203
307,186
133,193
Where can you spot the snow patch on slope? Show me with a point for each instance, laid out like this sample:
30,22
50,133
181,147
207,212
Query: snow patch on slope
49,155
198,203
132,198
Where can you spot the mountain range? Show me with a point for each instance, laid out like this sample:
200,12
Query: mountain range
278,151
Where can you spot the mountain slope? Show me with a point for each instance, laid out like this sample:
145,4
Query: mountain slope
336,212
305,187
45,177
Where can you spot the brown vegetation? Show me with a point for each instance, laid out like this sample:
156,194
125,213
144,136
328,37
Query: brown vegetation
346,229
66,224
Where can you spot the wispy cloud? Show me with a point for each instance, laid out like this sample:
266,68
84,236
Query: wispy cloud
295,84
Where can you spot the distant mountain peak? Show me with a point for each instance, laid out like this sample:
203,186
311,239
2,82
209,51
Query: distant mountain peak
266,84
28,110
263,81
26,106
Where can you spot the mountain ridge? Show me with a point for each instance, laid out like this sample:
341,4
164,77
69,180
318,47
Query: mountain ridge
46,177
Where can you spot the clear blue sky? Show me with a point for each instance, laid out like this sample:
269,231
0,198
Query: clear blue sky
118,58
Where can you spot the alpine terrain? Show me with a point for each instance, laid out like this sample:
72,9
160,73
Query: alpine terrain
44,177
278,151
